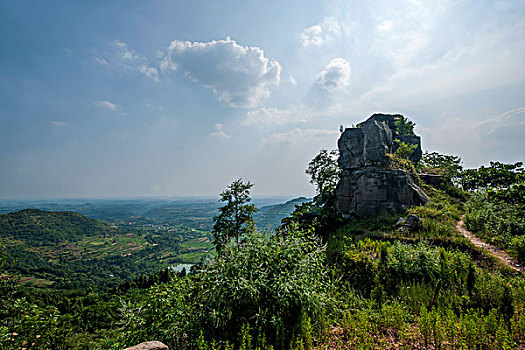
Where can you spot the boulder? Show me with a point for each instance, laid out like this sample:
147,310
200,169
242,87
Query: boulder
411,224
438,181
367,185
149,345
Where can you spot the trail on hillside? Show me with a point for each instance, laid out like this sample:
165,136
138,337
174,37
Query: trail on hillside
498,253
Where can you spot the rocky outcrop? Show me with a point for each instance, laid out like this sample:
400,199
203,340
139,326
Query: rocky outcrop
368,185
149,345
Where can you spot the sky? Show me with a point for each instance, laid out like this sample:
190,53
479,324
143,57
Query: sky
181,98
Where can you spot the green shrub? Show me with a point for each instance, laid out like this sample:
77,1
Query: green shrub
518,244
268,283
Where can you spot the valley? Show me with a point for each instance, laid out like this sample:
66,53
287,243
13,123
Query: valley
114,241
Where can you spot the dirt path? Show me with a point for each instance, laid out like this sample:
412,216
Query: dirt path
498,253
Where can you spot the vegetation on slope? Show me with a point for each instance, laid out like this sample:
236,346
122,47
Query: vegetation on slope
68,251
319,282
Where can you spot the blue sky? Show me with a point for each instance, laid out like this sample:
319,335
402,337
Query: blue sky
168,98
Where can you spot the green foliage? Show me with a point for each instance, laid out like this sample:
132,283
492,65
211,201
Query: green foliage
235,217
94,262
318,217
324,172
447,165
404,150
400,158
496,176
268,283
518,244
372,287
404,126
39,227
497,206
311,218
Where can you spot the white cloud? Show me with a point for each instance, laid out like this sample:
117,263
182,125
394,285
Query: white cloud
320,34
150,72
101,61
498,138
119,55
239,75
219,132
385,26
292,80
58,123
106,104
124,52
275,116
301,136
269,116
335,75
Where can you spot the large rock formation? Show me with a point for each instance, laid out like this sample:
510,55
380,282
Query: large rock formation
149,345
368,185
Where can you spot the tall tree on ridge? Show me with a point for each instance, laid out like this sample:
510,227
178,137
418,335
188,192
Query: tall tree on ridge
235,217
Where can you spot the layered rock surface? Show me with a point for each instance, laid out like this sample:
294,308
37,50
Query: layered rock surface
368,185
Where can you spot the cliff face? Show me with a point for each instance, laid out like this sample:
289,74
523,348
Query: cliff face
368,185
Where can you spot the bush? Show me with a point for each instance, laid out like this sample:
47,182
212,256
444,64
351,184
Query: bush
268,283
518,244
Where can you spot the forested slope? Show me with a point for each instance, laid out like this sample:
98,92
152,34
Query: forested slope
320,282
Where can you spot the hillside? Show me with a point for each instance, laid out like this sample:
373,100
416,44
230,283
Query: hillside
270,216
66,250
323,282
39,227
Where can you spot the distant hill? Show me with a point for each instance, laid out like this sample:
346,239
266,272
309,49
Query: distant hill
270,216
38,227
67,250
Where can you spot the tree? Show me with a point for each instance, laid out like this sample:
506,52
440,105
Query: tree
447,165
319,216
324,172
498,176
236,216
404,126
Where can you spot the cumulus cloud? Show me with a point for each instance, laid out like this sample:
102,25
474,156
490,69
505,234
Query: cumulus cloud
239,75
106,104
335,76
298,135
58,123
320,34
219,132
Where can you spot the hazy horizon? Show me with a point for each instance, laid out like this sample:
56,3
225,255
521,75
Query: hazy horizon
171,98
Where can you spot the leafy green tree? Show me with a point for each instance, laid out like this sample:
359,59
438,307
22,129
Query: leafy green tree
447,165
320,216
268,282
400,158
324,172
404,126
235,218
496,176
